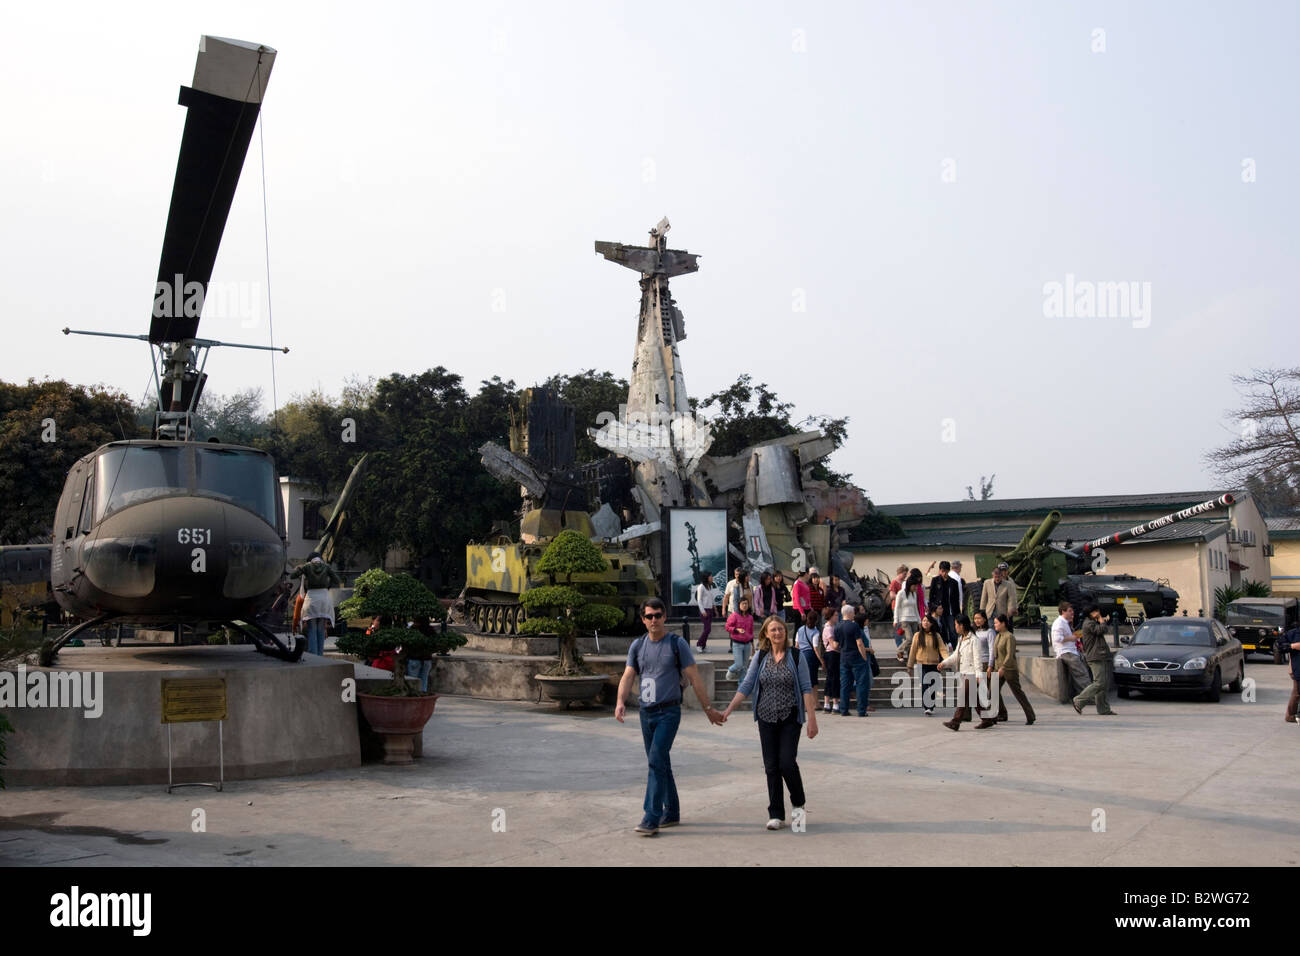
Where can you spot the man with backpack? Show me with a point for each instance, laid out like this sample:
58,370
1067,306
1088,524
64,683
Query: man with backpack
664,665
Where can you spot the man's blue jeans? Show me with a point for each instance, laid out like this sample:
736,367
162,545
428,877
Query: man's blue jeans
314,630
659,729
854,673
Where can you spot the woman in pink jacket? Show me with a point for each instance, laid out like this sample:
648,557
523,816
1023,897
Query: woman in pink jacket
740,626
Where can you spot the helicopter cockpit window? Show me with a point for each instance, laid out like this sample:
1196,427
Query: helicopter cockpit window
133,473
244,478
87,504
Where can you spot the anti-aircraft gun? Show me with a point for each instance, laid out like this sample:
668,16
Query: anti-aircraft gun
1046,574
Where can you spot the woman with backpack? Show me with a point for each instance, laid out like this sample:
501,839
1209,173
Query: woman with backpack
783,702
809,641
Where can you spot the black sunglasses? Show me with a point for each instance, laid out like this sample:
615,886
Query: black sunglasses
653,617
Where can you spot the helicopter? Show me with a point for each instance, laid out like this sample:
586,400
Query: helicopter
170,531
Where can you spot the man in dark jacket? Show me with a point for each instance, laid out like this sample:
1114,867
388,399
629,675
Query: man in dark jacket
945,594
855,668
1291,640
1100,660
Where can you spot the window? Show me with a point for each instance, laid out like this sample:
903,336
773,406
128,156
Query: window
313,525
87,505
246,479
129,474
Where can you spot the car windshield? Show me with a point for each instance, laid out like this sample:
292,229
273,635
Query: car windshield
1170,632
1254,614
129,474
245,478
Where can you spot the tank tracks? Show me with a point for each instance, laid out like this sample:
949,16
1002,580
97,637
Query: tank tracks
494,617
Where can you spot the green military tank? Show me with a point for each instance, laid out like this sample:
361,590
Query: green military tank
1046,574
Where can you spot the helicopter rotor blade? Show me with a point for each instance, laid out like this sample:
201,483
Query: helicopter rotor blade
230,78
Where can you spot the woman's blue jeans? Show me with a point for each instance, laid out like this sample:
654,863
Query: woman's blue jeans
314,630
740,659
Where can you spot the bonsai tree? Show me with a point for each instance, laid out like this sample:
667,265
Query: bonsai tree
395,599
563,609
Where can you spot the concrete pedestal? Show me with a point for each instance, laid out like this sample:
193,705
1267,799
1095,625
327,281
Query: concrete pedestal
282,719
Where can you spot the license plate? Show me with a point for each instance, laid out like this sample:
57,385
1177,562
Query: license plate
1248,647
1155,678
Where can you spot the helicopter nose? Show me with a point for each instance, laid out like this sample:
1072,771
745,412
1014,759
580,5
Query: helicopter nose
193,548
254,558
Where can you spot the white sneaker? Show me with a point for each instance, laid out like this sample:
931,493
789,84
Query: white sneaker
774,824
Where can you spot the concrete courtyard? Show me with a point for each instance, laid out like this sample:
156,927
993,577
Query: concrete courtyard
1175,782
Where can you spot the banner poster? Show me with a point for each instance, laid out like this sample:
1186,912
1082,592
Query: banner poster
696,545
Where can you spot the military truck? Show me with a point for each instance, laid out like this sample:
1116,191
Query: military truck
1260,622
1046,574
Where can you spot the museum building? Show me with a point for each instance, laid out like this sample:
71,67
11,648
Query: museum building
1223,547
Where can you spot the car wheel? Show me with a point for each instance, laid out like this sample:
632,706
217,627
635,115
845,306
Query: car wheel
1215,689
1124,692
1235,686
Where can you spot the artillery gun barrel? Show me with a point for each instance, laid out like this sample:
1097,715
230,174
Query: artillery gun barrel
1136,532
1037,536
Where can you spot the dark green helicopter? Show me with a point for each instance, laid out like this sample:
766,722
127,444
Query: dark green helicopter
170,531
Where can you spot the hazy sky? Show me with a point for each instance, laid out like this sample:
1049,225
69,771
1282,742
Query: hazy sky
880,193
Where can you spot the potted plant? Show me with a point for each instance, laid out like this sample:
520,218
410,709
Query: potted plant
399,710
564,610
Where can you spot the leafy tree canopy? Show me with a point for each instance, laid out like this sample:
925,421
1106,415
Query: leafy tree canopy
44,428
747,414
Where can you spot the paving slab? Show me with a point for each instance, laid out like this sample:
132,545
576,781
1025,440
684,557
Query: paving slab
1165,782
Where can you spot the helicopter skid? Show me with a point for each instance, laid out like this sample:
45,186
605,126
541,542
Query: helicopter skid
266,641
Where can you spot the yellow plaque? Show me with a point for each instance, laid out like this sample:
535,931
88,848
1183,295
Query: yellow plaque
193,699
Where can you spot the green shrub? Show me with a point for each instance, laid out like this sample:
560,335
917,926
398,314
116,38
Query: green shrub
598,617
572,553
1223,596
546,601
395,599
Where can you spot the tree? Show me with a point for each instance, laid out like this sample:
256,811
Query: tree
1274,498
986,489
747,414
44,428
426,489
237,418
563,609
1267,446
396,599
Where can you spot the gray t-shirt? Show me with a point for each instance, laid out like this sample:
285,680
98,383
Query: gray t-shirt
656,666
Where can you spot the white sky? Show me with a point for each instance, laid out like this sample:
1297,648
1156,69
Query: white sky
427,161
